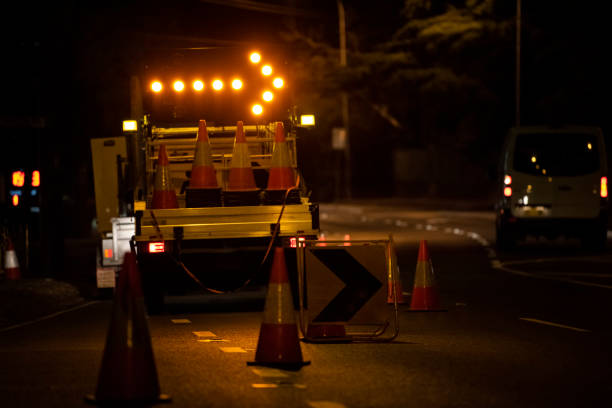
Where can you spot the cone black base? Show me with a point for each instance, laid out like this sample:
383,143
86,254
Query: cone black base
161,399
202,197
239,198
276,197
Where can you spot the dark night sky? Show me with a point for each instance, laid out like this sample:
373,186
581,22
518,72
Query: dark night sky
66,64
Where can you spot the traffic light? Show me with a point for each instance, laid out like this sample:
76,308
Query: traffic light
19,188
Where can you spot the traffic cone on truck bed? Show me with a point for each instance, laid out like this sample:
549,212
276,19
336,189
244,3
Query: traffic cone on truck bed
278,345
203,190
281,176
203,173
128,376
164,195
241,187
425,291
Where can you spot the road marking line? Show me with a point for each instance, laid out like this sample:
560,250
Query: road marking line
269,372
52,315
496,264
212,340
544,322
579,274
180,321
279,385
543,260
326,404
232,349
204,334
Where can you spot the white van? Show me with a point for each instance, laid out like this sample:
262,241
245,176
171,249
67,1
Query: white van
552,182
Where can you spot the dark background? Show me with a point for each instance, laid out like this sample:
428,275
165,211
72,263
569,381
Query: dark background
427,79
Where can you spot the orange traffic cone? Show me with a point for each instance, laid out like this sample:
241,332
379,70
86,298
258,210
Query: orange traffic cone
425,292
279,345
281,176
128,374
164,195
11,263
241,176
203,173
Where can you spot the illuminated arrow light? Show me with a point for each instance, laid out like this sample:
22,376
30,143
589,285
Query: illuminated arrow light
156,86
237,84
217,85
255,57
266,70
267,96
257,109
278,82
198,85
178,86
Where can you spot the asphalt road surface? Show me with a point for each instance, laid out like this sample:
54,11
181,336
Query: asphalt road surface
528,328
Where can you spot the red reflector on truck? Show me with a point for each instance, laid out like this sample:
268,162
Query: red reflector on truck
293,241
108,253
156,247
507,191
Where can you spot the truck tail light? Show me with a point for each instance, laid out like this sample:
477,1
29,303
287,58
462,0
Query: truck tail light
293,241
507,185
156,247
603,190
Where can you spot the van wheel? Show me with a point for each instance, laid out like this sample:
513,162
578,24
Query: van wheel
504,238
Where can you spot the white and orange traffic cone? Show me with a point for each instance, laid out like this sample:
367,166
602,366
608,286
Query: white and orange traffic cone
128,375
281,175
241,176
425,291
278,345
203,173
164,195
11,263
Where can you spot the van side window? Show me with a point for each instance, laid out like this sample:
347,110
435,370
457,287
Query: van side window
561,154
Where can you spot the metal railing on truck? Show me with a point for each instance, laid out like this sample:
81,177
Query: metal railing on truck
180,145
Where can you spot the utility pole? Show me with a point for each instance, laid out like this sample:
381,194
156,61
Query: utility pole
518,65
344,102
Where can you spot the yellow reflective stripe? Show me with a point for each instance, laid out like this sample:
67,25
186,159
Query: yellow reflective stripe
240,156
280,156
424,276
202,155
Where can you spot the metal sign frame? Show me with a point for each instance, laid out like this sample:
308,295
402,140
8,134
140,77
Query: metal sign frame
377,329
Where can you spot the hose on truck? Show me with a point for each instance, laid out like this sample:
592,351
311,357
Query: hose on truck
263,261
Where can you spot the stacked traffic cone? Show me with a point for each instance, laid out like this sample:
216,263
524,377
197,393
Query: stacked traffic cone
128,374
11,263
203,173
241,188
279,345
281,176
203,190
425,292
164,195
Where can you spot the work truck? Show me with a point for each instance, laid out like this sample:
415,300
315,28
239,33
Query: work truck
219,244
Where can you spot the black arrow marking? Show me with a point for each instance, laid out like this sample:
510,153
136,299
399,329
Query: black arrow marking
361,285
